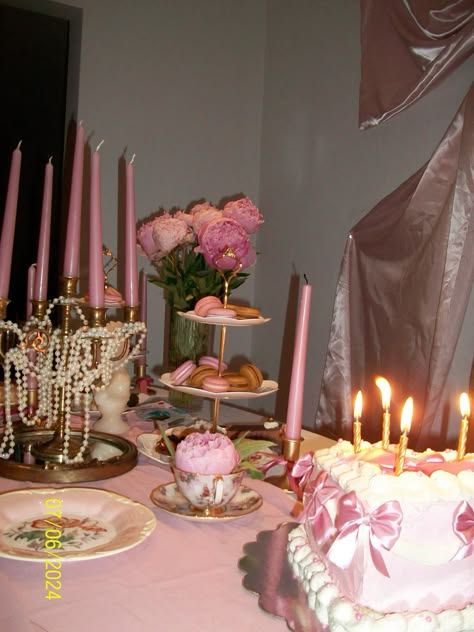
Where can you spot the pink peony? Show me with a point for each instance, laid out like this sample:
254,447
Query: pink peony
162,234
206,453
186,217
224,243
145,239
203,214
245,213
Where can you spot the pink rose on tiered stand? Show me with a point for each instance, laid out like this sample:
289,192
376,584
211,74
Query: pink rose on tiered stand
224,243
245,213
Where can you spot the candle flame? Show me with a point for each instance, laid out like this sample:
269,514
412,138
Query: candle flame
465,405
358,405
407,415
385,390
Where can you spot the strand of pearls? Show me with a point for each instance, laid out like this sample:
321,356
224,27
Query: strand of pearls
64,369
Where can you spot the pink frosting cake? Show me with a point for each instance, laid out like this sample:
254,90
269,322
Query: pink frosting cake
384,553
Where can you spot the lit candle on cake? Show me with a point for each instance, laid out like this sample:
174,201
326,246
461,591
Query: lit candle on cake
405,425
465,407
96,267
9,220
386,392
295,399
357,426
73,234
42,260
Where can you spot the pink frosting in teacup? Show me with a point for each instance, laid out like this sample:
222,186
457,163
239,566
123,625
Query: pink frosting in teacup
206,453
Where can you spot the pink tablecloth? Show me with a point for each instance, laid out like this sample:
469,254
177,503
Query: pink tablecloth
184,577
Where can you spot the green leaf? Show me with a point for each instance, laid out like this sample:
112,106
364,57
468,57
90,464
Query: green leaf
247,447
251,470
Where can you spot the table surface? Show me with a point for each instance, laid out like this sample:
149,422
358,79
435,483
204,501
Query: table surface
183,577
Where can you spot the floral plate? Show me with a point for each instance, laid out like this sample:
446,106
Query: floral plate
223,320
169,498
71,523
267,388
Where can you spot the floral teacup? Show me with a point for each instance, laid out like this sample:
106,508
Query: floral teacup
208,493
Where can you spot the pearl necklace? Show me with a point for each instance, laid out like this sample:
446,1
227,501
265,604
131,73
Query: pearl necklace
65,368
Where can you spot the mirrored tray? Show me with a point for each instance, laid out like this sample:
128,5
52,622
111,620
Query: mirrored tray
268,387
109,455
222,320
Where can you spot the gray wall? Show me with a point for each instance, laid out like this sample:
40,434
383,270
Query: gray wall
180,84
320,174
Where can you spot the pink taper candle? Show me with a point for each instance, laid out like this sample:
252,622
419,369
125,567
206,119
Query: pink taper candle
131,271
42,260
143,312
30,289
96,267
73,240
295,400
9,219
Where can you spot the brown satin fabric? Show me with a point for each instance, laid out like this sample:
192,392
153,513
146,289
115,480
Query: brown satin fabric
403,289
408,47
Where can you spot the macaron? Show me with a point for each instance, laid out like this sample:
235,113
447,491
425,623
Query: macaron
204,305
253,375
221,311
215,384
197,376
237,381
245,311
181,374
211,361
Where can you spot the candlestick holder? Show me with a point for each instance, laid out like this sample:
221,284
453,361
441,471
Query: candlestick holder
290,452
67,362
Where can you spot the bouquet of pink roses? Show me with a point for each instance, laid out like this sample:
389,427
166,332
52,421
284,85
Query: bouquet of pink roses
189,248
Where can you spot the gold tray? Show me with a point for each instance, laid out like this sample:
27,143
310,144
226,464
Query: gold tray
269,575
92,470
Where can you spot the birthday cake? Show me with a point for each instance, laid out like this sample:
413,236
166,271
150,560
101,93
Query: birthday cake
382,553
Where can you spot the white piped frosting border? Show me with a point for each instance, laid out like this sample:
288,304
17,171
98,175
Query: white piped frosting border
342,615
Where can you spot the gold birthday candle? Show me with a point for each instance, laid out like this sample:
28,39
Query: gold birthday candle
356,426
465,407
386,392
405,425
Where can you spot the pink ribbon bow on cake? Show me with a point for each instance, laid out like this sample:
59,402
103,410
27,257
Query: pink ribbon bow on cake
384,530
303,468
321,491
463,526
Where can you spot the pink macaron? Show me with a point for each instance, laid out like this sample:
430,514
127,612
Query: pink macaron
205,304
181,374
221,311
211,361
215,384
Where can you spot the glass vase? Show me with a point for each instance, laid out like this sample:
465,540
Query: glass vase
188,340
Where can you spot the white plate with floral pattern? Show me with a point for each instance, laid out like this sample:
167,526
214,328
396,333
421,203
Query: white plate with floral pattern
223,320
267,388
71,523
168,497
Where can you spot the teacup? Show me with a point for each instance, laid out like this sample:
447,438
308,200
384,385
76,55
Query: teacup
208,493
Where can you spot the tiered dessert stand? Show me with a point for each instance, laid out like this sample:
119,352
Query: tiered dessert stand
267,387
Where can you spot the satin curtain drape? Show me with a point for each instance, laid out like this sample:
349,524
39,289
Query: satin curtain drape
405,281
408,47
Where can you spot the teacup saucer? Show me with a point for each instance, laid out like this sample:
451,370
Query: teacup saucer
168,497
